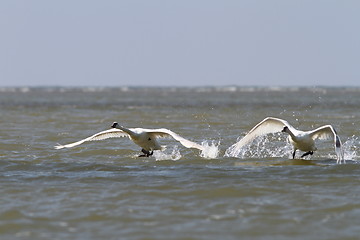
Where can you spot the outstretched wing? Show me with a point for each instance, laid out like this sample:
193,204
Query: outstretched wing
165,133
266,126
110,133
328,132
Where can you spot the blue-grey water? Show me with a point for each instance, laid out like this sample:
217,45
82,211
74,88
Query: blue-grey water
102,190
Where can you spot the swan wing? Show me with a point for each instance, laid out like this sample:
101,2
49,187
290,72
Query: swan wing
329,132
165,133
110,133
266,126
323,133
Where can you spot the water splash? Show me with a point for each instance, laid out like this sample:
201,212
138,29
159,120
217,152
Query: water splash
351,149
262,147
168,154
211,149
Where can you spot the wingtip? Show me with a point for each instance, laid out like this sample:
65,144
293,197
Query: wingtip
337,141
57,147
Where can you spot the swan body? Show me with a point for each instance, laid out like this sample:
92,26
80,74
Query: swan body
147,139
301,140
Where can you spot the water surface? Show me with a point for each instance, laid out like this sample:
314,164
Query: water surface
101,190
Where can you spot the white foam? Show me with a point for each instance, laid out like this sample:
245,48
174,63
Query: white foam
211,149
167,154
261,147
351,149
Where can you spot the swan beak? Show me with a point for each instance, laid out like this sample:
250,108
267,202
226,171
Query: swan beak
114,125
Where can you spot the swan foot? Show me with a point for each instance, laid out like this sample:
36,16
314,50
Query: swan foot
146,153
307,153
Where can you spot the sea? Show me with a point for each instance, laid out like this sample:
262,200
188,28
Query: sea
104,190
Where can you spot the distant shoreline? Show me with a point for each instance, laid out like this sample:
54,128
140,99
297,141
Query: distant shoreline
25,89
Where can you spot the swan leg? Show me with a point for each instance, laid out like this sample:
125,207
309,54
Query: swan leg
307,153
146,153
294,153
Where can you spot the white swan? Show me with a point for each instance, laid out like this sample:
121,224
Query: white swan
145,138
302,140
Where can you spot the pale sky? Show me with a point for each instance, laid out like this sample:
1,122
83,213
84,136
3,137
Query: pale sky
179,43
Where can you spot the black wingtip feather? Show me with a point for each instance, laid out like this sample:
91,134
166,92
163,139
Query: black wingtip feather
337,142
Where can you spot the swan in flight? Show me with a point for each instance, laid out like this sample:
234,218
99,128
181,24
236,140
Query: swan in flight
301,140
145,138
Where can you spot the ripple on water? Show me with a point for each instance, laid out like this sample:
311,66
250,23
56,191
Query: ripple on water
101,190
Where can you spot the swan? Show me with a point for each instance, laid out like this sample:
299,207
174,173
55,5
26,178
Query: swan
301,140
145,138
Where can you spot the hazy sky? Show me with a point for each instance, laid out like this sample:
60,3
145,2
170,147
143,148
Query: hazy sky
184,42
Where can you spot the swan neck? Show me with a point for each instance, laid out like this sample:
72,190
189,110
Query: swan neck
292,135
128,131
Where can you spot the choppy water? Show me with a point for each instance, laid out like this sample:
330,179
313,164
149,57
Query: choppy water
101,190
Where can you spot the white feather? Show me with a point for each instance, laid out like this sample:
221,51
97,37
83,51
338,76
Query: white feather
110,133
145,138
302,140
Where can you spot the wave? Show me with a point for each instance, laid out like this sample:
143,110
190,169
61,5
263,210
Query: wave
196,89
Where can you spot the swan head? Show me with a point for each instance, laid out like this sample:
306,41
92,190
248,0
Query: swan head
285,129
114,125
